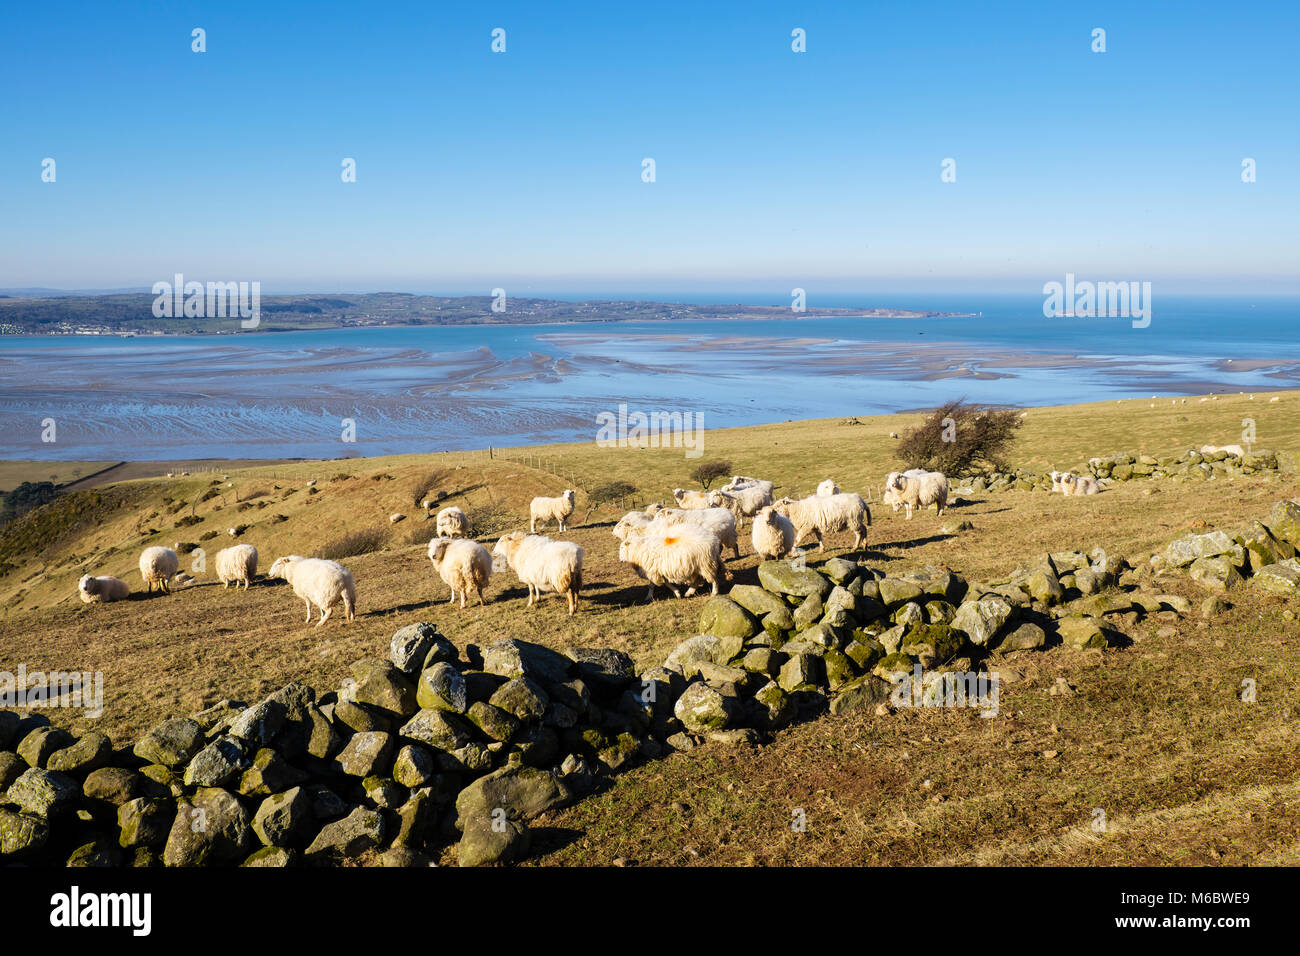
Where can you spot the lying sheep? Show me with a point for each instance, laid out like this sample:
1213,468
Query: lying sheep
237,563
158,566
1230,449
320,583
464,566
828,488
773,534
102,590
821,515
721,521
543,565
551,509
677,556
919,491
451,523
1072,484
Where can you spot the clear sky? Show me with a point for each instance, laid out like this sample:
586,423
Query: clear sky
773,168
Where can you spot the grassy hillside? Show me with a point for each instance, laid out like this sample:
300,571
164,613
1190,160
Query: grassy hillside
1152,733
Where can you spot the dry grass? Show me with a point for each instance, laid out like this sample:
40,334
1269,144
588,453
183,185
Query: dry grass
1154,734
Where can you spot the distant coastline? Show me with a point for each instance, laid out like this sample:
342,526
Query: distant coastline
131,314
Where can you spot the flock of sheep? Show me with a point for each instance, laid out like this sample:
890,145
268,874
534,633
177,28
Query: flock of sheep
680,548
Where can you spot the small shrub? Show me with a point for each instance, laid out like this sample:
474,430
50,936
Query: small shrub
958,438
710,471
188,521
208,535
362,541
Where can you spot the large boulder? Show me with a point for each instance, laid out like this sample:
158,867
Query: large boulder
703,707
521,792
981,620
782,577
511,657
92,751
1081,631
1183,551
441,687
359,831
43,793
493,841
723,617
172,743
411,645
211,827
383,686
1280,578
1284,522
756,600
1216,574
863,694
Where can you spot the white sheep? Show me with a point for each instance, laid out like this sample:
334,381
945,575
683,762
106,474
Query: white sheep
1072,484
237,563
919,491
320,583
828,487
695,499
1230,449
677,556
721,521
452,523
772,534
102,590
891,495
551,509
543,565
158,566
464,566
633,520
750,494
821,515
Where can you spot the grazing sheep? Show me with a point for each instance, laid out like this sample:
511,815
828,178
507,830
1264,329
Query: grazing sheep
1230,449
1072,484
543,565
102,590
750,494
452,523
551,509
696,499
236,563
721,521
464,566
828,488
773,534
919,491
678,556
158,566
320,583
821,515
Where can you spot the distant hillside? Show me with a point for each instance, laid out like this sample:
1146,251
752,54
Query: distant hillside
133,313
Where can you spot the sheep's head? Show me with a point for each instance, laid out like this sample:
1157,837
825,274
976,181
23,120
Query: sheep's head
505,549
88,584
569,495
782,506
280,567
679,494
654,509
716,499
437,548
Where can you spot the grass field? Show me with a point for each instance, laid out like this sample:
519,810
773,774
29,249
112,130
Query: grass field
1153,735
14,473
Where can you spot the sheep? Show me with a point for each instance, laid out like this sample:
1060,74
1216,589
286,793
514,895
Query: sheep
828,488
452,523
102,590
772,534
551,509
1230,449
543,565
320,583
695,499
919,491
1072,484
236,563
633,520
464,565
675,555
820,515
750,494
158,566
721,521
891,495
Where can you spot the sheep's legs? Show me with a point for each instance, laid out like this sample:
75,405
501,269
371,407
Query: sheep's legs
325,615
308,603
481,601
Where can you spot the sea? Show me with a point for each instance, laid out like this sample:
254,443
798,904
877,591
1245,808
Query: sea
389,390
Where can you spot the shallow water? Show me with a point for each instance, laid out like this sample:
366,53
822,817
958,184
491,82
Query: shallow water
433,389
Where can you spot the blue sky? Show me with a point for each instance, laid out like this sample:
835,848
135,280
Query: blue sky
774,169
